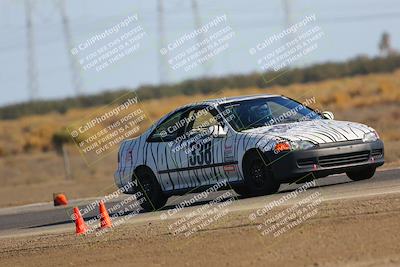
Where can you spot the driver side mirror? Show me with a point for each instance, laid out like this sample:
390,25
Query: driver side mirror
328,115
217,131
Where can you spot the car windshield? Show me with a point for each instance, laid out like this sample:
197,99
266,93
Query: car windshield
259,112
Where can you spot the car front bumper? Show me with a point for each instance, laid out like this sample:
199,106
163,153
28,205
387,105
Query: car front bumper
326,159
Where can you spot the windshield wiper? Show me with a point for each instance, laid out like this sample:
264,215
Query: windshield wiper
252,126
288,120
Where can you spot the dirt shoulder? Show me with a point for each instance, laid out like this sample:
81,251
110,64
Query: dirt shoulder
356,232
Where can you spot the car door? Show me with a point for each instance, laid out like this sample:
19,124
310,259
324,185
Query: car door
201,157
163,156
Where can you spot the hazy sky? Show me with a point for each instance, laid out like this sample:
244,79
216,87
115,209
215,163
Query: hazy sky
350,28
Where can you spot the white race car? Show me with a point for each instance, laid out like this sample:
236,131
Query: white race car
253,143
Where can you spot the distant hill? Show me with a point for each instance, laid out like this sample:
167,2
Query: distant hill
317,72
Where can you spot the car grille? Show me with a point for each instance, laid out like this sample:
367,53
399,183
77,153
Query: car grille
335,160
343,159
307,162
377,153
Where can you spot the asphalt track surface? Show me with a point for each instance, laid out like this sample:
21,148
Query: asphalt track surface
42,217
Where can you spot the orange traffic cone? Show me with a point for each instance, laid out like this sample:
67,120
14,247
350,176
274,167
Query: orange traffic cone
105,221
80,226
59,199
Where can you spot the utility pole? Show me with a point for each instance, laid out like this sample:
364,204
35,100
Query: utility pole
33,86
76,78
162,71
288,16
200,37
288,22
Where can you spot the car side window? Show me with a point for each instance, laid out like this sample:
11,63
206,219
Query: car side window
200,120
169,129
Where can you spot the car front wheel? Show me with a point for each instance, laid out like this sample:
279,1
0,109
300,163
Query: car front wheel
362,174
258,176
153,197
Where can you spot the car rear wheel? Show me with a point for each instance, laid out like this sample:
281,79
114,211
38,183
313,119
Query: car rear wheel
362,174
148,185
258,176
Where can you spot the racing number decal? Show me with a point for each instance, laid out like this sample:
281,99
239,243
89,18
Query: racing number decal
201,154
207,155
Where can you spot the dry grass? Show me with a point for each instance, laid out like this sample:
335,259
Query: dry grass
33,133
24,167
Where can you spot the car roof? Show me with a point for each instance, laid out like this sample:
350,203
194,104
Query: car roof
224,100
217,101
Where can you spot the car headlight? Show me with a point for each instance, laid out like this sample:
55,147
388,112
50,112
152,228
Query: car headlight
370,137
293,145
302,145
282,146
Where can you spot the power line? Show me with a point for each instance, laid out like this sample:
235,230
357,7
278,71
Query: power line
253,24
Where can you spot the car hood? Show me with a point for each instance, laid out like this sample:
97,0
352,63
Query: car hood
316,131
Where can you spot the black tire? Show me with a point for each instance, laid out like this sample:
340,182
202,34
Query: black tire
154,198
241,190
362,174
258,177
